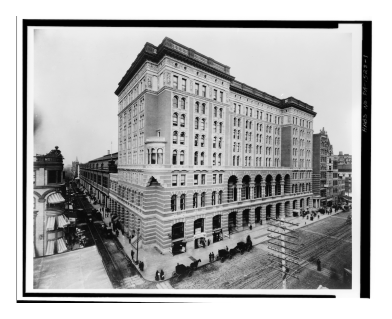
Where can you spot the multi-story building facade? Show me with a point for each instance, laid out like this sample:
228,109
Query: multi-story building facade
75,168
49,189
95,176
201,154
322,175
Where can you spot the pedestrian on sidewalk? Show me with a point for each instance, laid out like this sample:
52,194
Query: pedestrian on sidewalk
157,275
208,242
132,252
209,257
162,275
227,248
212,256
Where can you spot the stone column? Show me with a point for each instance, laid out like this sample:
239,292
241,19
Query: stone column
290,210
282,189
273,188
297,204
252,219
239,193
263,215
262,189
239,219
252,190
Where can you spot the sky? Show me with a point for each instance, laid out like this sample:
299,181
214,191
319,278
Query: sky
77,70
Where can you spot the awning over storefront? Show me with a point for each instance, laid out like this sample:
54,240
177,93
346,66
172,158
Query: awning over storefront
50,223
200,235
62,221
50,248
56,199
61,247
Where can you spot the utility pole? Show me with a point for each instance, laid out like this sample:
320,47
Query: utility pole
286,255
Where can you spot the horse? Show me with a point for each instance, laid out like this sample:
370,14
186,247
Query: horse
195,264
232,252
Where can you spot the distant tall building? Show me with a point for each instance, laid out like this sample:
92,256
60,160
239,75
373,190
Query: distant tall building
49,189
201,155
322,168
75,168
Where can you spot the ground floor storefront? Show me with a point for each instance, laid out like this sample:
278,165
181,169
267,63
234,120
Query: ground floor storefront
204,227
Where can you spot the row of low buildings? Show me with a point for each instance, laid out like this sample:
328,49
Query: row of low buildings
201,155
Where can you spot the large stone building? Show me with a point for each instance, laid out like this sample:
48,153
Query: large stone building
95,176
49,188
201,154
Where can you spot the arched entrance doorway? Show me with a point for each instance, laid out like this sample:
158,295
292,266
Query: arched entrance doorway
232,189
268,186
245,187
301,203
258,181
287,209
217,234
287,184
232,221
245,218
258,219
268,212
198,231
278,210
177,236
278,181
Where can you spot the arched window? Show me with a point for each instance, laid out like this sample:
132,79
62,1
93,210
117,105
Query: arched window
196,139
214,142
246,124
239,122
214,159
235,144
160,156
220,113
182,156
250,161
235,133
220,195
238,134
238,147
202,158
182,202
246,136
182,120
238,161
203,124
220,143
219,159
175,102
197,107
196,158
202,140
215,126
213,198
196,123
175,137
233,160
153,156
203,199
215,111
183,103
174,159
182,138
220,127
195,196
175,119
203,108
246,160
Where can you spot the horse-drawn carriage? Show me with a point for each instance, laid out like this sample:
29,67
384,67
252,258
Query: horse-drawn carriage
223,254
181,271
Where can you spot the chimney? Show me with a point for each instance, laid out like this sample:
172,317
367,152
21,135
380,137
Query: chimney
108,152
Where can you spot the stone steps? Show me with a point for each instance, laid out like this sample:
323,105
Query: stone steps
164,285
132,282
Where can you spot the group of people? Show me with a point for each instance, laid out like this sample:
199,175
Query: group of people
159,275
212,257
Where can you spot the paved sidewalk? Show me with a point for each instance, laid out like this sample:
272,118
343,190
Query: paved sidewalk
154,260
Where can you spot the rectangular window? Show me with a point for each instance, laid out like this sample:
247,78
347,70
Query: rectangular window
196,179
203,179
182,180
204,90
184,84
213,178
175,82
197,88
220,178
215,95
221,96
174,180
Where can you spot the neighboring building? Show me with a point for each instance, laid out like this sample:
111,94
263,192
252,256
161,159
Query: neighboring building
201,154
345,172
343,159
95,176
49,190
322,169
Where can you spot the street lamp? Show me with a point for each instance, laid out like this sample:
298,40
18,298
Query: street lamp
137,247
